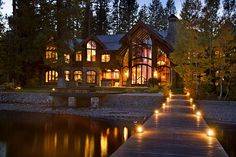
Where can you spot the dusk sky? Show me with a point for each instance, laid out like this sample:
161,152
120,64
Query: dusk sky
7,8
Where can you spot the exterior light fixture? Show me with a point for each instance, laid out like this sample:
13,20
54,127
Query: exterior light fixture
18,88
139,129
188,94
164,105
168,99
156,111
194,106
198,113
191,100
210,133
170,94
53,89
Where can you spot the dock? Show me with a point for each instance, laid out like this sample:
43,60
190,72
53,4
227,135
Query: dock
176,131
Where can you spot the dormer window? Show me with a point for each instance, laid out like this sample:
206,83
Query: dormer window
51,53
67,58
106,58
91,51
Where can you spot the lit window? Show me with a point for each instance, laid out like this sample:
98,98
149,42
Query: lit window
67,75
116,74
106,58
91,77
107,74
78,56
51,53
78,75
67,58
91,51
163,60
51,76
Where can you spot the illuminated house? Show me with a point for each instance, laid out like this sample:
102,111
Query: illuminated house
129,59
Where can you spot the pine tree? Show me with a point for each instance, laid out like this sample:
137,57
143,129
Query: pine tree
157,18
143,14
102,10
115,17
190,13
170,7
229,8
128,10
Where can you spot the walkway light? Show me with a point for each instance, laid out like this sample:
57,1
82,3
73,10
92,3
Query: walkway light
188,94
156,111
194,106
191,100
170,94
139,129
198,113
210,133
53,89
167,99
164,105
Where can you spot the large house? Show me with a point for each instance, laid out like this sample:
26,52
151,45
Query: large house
129,59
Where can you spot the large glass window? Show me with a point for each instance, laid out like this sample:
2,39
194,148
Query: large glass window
91,77
91,51
107,74
67,75
141,61
163,67
78,75
78,56
106,58
51,53
51,76
116,74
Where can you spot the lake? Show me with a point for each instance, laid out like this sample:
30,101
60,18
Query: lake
44,135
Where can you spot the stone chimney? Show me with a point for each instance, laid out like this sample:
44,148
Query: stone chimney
171,33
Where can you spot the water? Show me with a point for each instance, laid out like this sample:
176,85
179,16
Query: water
226,135
42,135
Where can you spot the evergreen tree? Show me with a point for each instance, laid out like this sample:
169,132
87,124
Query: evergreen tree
157,18
209,27
229,10
143,14
170,7
102,21
128,10
190,13
115,18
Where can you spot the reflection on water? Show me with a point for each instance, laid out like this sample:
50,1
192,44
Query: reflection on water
40,135
227,137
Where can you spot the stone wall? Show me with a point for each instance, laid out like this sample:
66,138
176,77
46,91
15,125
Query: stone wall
25,98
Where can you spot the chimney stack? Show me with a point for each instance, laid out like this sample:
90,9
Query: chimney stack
171,33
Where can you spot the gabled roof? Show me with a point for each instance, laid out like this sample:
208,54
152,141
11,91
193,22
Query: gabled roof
112,42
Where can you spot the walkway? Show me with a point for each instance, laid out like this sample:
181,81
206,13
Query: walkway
175,132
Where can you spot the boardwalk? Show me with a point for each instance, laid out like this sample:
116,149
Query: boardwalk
175,132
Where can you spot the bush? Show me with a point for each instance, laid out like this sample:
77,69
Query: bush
8,86
152,82
154,89
165,88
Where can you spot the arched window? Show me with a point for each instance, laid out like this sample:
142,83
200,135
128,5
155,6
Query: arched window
78,56
163,67
91,51
51,76
67,75
106,58
78,75
141,61
91,77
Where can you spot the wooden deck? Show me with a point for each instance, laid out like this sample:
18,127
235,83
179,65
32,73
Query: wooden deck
174,132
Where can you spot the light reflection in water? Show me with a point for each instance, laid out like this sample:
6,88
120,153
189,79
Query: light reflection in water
103,145
89,146
125,133
116,132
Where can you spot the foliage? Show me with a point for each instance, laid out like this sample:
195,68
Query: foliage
165,89
154,89
143,14
153,82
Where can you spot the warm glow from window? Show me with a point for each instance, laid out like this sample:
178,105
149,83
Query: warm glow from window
67,58
78,75
126,133
91,51
155,74
51,53
91,77
103,145
107,74
78,56
116,74
51,76
162,60
106,57
67,75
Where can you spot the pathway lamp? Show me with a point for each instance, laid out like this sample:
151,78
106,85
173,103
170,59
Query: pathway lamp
53,89
191,100
139,129
188,94
164,105
198,113
210,133
156,111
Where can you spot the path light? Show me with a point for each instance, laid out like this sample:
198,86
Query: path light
210,133
18,88
198,113
167,99
156,111
170,94
188,94
53,89
139,129
164,105
194,106
191,100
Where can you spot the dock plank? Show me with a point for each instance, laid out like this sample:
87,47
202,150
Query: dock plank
175,132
